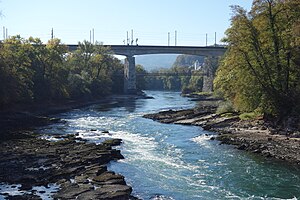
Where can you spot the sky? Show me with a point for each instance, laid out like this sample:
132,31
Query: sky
151,20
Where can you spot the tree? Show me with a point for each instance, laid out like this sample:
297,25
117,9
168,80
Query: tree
50,70
117,76
260,69
92,67
140,79
31,71
187,60
196,81
15,71
56,69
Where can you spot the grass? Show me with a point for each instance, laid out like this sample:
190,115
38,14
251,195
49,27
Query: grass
250,115
228,114
225,107
203,93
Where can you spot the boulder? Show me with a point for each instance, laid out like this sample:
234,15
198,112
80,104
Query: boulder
72,191
109,178
112,142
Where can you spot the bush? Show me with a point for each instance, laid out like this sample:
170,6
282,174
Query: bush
187,90
251,115
225,107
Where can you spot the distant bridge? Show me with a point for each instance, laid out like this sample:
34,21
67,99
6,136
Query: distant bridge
133,50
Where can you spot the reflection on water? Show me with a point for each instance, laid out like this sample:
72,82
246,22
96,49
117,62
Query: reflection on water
167,161
129,104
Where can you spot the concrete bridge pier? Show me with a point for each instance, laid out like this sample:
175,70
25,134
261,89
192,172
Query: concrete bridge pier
130,76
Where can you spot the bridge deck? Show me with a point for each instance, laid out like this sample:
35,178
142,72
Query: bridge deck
132,50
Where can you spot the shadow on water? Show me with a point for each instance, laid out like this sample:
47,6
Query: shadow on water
130,105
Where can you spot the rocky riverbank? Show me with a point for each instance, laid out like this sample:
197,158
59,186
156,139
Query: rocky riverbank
256,135
77,169
19,117
69,168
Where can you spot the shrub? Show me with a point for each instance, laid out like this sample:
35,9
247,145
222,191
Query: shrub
225,107
250,115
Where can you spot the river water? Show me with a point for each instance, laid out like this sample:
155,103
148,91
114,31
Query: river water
167,161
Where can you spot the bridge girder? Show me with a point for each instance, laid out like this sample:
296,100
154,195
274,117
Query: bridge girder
128,50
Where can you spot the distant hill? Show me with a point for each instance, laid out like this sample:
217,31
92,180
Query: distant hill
152,62
187,60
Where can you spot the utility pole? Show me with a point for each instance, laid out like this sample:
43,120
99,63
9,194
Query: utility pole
131,36
168,38
127,39
90,36
175,38
6,34
206,40
93,36
3,32
52,36
215,38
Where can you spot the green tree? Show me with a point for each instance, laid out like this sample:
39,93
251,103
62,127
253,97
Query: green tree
117,76
187,60
31,71
48,62
15,71
57,72
196,81
260,70
92,67
140,79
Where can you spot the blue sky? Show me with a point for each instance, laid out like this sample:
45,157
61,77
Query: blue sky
150,20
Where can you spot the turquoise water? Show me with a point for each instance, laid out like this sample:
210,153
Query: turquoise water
167,161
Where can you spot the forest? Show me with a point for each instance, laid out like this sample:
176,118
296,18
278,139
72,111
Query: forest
260,71
31,72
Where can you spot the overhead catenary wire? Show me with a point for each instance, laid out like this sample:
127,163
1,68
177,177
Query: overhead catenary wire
73,36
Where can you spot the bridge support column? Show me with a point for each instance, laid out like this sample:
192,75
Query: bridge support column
129,76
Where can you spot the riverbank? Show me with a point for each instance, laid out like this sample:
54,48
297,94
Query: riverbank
255,135
67,168
23,116
29,167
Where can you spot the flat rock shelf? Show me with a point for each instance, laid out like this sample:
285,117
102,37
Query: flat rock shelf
250,135
77,167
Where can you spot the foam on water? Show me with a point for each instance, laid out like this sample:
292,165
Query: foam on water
141,148
50,138
45,193
165,161
203,140
161,197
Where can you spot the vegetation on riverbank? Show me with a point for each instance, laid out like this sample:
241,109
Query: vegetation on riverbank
31,72
260,72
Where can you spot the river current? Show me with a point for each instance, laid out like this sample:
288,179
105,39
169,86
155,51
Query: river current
167,161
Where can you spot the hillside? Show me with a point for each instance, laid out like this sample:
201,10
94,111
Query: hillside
152,62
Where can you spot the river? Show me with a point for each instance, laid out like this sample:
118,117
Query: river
167,161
